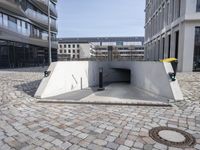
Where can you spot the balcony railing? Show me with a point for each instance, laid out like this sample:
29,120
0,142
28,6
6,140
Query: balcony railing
45,3
40,18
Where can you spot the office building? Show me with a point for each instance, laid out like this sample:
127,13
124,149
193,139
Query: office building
24,32
172,29
97,48
75,50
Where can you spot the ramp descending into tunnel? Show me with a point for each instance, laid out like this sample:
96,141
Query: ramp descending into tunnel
151,77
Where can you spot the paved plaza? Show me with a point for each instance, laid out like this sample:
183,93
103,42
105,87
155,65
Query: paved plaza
26,124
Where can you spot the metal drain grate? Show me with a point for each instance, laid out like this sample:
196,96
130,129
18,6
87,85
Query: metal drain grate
188,140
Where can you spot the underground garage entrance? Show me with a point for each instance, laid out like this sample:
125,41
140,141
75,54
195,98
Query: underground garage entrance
120,75
117,89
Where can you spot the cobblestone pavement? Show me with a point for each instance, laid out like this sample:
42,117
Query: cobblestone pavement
25,124
190,85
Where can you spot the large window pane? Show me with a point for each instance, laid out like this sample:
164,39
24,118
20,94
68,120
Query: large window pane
23,28
19,26
198,5
196,63
1,19
5,20
12,23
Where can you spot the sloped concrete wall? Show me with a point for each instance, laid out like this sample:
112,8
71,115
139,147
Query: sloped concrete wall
150,76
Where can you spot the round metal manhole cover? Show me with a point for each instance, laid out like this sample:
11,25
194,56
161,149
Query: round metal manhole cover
172,137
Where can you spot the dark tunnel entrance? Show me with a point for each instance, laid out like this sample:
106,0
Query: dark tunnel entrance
122,75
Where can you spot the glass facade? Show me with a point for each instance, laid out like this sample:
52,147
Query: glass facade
14,54
23,27
20,52
196,64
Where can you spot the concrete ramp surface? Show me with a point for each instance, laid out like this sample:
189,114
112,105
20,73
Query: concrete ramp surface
115,92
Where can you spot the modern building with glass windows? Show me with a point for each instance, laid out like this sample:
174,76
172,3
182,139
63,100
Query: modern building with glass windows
24,32
172,29
97,48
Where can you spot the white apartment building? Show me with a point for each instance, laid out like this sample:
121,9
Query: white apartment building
97,48
172,29
73,51
119,52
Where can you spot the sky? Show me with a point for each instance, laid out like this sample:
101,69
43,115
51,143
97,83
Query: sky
97,18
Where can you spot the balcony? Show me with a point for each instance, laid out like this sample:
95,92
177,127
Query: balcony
40,19
43,4
12,5
12,31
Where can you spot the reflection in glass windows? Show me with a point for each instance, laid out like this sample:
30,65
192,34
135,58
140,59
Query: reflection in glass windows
15,54
24,28
196,64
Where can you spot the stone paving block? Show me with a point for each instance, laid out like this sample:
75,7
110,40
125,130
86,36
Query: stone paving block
47,145
57,142
5,147
65,145
39,148
112,145
95,147
100,142
174,148
148,147
197,146
83,135
160,146
110,138
120,141
138,145
128,143
122,147
84,143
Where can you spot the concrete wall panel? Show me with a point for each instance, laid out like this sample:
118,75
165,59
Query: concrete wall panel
149,76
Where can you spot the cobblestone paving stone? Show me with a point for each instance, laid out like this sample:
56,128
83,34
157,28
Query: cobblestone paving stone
190,85
26,124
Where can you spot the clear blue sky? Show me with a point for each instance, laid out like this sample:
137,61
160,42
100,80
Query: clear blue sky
93,18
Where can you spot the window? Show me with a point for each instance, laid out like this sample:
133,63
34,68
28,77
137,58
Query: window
78,56
69,51
65,46
60,51
69,46
198,5
5,20
196,60
24,29
179,8
169,45
19,26
78,51
73,56
1,19
176,44
65,51
163,48
73,51
73,46
60,46
12,23
78,45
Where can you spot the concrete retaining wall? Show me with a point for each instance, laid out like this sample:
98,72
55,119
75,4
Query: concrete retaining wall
150,76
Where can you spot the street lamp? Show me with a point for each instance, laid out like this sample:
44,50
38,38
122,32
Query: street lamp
49,30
